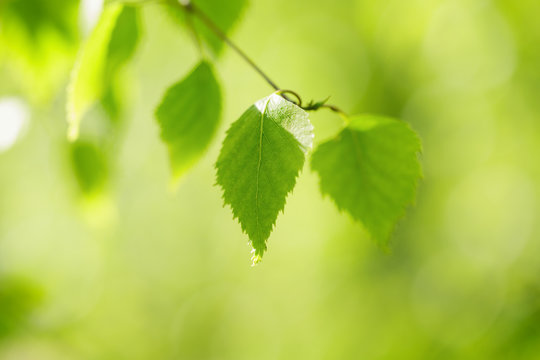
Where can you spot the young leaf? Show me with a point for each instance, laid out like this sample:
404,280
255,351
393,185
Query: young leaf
371,171
189,116
111,43
260,159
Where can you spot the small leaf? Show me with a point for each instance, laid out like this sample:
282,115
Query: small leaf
189,116
371,170
111,43
261,157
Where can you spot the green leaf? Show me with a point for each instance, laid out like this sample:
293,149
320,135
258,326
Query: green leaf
111,43
189,116
371,170
261,157
90,166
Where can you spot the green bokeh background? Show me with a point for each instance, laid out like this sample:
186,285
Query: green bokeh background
142,272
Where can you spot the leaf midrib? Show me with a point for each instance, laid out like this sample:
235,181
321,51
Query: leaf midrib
263,112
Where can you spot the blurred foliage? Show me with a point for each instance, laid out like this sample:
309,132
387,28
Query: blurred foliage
38,40
90,166
18,298
97,89
97,71
151,274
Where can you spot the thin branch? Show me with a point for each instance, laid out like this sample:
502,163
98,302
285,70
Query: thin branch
194,34
191,8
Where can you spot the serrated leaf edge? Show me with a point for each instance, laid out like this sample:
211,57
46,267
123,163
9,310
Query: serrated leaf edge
257,257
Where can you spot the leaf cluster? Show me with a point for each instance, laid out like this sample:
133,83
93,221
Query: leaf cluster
370,168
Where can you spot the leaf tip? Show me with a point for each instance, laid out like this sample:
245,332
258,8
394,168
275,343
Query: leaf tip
256,258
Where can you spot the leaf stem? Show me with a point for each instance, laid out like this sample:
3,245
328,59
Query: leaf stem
195,35
193,9
334,108
293,93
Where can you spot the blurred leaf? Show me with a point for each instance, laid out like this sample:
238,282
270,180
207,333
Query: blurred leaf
86,85
122,46
90,166
112,100
17,299
189,116
38,40
260,159
40,15
371,171
223,13
110,45
123,41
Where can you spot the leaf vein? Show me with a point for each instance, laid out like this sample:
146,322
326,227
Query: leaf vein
259,169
